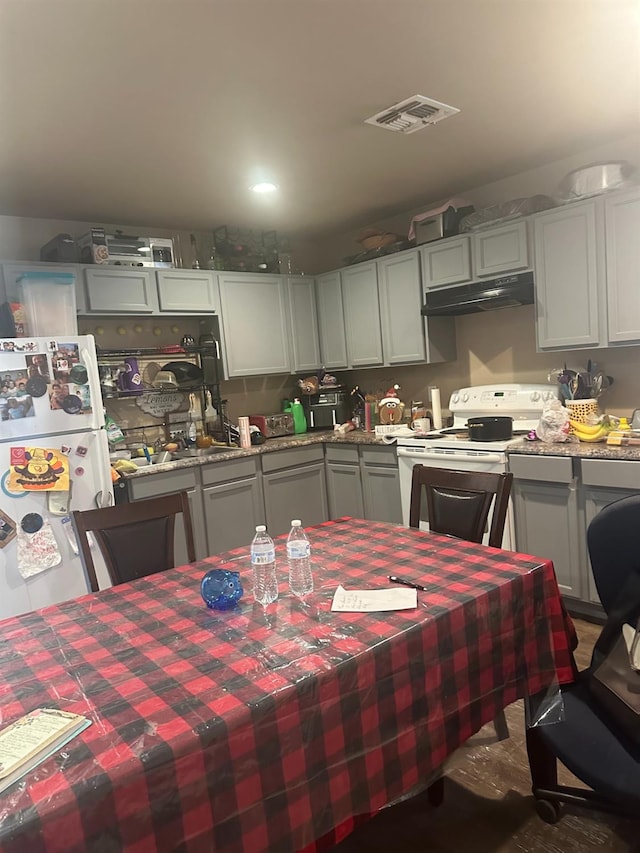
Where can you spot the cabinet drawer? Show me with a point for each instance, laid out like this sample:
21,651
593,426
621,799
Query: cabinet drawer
379,456
233,469
164,484
342,453
549,469
614,473
297,456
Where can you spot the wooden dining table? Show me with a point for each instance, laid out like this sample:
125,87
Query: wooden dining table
270,729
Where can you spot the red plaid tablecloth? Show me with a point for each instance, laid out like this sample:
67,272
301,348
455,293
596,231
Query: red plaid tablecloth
252,730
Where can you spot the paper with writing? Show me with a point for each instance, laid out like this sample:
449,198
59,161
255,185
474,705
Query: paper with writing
374,600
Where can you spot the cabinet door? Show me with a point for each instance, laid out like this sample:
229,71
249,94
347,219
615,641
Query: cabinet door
192,291
305,343
400,303
333,338
254,318
568,263
547,515
177,481
446,262
113,290
344,487
232,511
295,493
381,492
500,250
362,315
622,235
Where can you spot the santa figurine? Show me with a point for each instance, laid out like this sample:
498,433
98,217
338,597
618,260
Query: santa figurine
391,408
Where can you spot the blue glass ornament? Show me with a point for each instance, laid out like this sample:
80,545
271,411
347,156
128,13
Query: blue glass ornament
221,589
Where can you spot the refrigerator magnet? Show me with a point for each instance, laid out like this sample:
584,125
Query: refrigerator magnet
52,346
31,522
4,485
7,529
37,469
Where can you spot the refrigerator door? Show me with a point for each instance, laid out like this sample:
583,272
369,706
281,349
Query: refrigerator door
34,530
48,387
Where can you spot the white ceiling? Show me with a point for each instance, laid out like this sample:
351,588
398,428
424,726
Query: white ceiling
162,112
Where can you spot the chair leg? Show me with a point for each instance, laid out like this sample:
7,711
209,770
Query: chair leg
435,792
501,727
542,762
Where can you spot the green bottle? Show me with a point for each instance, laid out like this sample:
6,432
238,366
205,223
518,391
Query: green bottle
299,420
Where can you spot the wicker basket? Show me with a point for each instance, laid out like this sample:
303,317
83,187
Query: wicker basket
580,409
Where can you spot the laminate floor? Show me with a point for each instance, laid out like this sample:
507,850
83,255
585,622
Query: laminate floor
487,804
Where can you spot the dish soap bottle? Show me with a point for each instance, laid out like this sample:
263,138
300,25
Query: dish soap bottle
299,420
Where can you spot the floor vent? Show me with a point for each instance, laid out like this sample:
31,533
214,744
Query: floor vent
412,114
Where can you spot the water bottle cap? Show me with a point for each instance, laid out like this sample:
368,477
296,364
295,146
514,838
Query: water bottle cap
296,523
261,528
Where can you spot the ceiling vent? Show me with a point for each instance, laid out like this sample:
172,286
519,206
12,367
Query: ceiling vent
412,114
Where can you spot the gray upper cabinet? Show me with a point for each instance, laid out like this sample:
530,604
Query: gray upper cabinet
362,315
400,304
255,322
305,342
331,327
622,236
446,262
568,265
500,250
190,291
113,290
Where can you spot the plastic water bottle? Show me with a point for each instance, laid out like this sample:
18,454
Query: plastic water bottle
263,560
299,560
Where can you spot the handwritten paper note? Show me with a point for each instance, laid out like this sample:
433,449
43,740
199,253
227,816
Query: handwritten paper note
373,600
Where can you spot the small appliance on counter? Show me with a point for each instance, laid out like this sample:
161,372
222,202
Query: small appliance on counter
275,425
326,409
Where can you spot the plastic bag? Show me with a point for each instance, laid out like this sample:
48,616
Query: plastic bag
554,423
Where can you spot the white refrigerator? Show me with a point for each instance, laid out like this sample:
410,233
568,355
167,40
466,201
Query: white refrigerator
54,458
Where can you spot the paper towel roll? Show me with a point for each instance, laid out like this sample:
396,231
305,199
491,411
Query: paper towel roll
436,408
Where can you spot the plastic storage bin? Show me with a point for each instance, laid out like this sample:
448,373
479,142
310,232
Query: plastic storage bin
49,301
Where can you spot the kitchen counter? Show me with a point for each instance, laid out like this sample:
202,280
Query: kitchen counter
584,450
285,442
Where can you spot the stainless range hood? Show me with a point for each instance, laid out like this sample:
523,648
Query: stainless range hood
504,292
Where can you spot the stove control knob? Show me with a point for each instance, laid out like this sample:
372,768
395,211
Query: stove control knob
535,395
465,398
455,398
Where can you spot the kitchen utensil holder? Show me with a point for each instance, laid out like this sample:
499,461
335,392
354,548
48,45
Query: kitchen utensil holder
579,410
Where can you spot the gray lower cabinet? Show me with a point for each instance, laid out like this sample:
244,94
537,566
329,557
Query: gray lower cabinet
344,481
547,515
380,484
605,481
165,483
233,503
294,487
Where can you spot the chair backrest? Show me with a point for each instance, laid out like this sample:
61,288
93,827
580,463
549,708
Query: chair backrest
613,539
459,502
136,539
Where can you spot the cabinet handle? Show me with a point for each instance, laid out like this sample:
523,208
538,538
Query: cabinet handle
217,350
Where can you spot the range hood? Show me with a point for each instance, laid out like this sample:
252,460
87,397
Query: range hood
489,295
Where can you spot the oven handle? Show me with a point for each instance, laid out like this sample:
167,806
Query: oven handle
450,457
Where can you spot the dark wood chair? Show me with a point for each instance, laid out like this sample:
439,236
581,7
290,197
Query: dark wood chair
136,539
458,504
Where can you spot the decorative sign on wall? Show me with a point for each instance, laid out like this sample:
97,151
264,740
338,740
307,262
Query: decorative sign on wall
159,405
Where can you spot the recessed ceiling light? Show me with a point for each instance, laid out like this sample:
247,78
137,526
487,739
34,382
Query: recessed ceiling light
264,187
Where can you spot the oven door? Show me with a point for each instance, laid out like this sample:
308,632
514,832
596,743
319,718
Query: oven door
494,462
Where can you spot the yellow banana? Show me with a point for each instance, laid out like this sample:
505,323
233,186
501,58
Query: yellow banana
586,429
600,435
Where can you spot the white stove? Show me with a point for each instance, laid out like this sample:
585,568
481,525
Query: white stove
452,448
